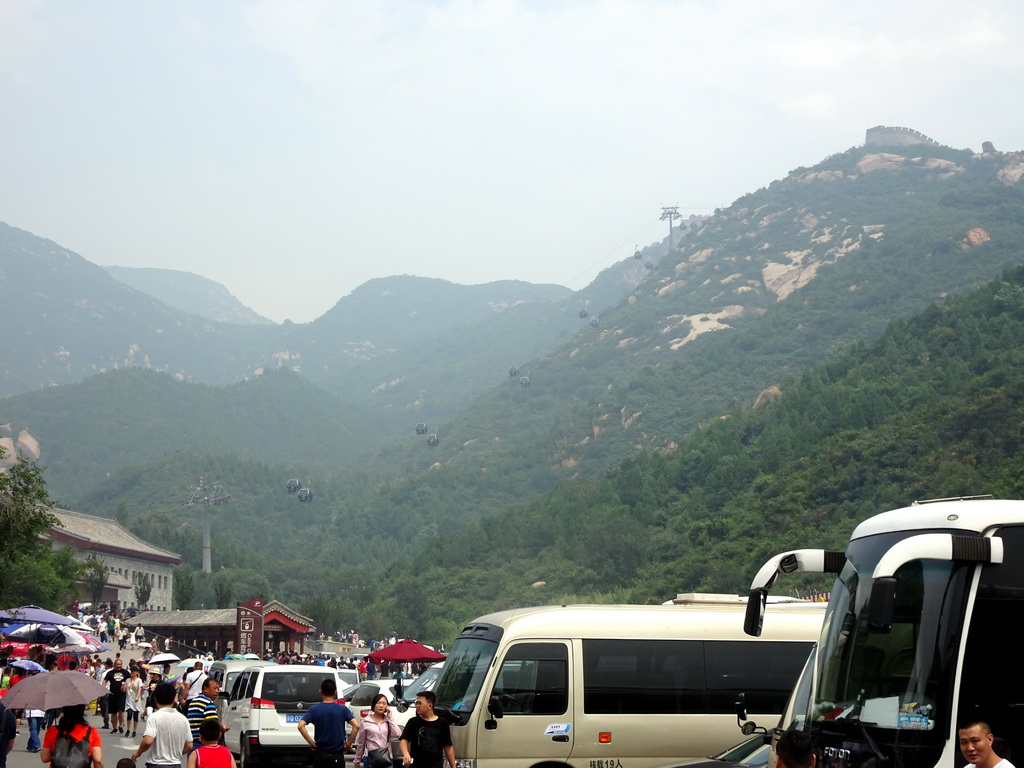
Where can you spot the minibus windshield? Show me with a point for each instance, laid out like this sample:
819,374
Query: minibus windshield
901,679
463,674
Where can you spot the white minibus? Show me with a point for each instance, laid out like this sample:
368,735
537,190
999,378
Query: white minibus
617,686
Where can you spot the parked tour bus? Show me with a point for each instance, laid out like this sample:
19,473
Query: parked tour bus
921,632
623,686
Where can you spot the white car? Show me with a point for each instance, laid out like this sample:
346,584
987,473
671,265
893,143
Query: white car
359,697
264,709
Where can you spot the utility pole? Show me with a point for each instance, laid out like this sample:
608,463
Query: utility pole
670,212
200,495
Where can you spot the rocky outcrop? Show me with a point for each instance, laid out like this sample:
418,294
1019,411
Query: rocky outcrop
974,238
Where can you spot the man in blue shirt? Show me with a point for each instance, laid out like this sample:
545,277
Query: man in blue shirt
328,719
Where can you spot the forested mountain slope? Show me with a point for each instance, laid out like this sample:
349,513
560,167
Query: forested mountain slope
934,408
864,238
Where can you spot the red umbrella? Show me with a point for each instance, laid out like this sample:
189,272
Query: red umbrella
406,651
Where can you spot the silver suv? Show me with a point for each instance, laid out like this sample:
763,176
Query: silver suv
264,709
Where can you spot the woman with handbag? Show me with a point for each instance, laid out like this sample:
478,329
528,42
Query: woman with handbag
373,744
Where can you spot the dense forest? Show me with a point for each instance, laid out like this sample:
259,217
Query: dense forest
932,409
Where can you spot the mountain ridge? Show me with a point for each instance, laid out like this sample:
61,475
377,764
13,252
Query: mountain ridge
190,293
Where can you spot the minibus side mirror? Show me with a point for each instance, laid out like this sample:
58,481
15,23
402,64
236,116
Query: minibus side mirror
494,708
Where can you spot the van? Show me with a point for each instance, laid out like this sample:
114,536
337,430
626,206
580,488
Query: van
264,709
225,672
611,685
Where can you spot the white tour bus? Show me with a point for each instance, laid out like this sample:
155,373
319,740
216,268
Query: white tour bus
622,686
922,628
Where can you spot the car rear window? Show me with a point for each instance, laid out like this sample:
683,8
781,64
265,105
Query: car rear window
292,687
363,695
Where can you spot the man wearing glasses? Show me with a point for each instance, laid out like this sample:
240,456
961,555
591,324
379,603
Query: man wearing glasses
426,741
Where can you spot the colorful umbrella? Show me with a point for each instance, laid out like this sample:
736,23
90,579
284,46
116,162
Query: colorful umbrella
51,634
52,690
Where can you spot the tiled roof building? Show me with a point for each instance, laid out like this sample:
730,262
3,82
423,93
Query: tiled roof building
124,553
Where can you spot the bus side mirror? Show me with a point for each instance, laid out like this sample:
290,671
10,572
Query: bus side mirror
882,604
753,619
741,708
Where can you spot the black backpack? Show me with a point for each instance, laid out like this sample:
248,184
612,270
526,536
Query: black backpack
68,753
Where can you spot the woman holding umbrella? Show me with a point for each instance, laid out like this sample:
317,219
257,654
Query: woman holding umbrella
70,691
74,735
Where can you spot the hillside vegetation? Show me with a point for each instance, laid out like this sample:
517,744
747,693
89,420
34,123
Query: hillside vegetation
932,409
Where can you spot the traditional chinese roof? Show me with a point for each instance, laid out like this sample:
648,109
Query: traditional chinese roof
291,618
103,535
273,610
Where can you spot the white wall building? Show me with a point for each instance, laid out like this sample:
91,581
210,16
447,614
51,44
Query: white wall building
124,553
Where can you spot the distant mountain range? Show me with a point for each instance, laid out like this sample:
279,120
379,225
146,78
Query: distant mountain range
789,277
190,293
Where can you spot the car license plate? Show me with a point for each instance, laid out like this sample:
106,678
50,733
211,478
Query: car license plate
292,718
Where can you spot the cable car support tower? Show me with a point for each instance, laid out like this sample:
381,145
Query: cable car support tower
200,495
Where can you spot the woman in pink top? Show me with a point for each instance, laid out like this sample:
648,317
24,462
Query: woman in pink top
377,731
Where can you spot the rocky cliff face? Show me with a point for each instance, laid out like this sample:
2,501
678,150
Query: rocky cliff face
24,444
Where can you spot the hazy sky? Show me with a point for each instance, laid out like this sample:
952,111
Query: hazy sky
293,150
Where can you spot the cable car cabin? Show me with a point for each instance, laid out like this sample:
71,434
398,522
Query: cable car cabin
649,265
513,371
305,494
293,485
637,255
421,428
594,322
525,381
432,440
584,313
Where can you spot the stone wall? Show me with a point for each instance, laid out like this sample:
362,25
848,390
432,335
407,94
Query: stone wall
895,136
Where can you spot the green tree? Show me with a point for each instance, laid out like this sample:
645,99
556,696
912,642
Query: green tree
184,587
24,515
94,574
143,589
223,588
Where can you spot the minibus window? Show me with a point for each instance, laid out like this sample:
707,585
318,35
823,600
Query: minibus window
534,679
643,676
763,670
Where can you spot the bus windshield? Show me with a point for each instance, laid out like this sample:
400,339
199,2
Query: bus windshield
902,679
463,674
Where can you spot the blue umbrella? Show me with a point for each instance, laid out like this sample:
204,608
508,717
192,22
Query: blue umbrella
28,665
33,614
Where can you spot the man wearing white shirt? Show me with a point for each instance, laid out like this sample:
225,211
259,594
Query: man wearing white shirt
167,732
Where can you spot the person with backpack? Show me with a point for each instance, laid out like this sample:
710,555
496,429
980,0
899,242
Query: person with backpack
71,743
